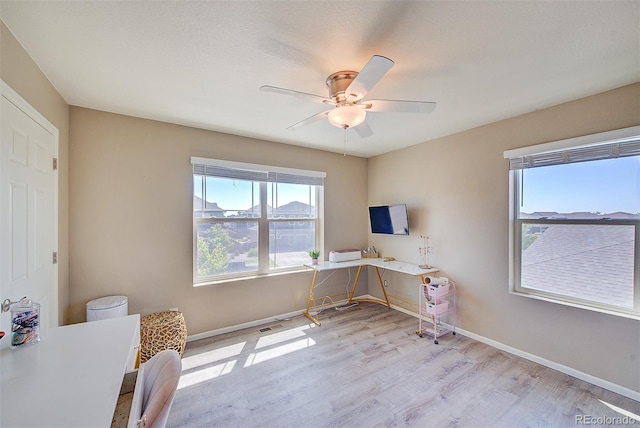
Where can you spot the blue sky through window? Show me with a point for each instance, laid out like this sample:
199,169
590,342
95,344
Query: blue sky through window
232,194
603,186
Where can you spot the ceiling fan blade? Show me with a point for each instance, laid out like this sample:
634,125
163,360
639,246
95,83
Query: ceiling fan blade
309,120
370,74
297,94
363,130
400,106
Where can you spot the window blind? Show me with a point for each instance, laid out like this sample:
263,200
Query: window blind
607,150
254,172
280,177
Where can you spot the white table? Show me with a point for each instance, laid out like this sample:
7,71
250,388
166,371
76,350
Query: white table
378,264
71,378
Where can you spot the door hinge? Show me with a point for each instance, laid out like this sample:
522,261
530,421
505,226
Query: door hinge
55,164
55,257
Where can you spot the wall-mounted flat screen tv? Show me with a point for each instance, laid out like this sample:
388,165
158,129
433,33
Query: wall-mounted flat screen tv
389,219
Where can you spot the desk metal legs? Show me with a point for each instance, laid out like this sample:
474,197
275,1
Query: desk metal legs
355,283
313,285
310,300
351,293
375,300
384,291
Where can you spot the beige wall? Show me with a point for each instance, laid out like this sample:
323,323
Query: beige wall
129,207
456,189
131,217
19,71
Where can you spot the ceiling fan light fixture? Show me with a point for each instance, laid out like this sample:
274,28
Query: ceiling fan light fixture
347,116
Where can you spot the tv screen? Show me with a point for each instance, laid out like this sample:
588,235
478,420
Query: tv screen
389,219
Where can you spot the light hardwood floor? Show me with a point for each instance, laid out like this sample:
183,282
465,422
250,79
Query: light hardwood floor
366,367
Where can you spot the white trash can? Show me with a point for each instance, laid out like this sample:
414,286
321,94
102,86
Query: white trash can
107,307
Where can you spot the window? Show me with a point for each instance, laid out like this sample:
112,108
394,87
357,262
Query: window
575,219
253,219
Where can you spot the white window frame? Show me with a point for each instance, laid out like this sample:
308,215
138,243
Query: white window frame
515,223
263,220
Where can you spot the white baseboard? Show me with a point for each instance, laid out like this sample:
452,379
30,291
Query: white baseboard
629,393
259,322
242,326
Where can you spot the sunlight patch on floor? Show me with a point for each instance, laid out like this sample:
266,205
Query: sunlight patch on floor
204,375
195,367
282,336
209,357
623,412
262,356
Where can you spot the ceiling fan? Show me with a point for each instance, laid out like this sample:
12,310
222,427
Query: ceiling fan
347,90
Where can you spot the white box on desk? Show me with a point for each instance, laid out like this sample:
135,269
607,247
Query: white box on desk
336,256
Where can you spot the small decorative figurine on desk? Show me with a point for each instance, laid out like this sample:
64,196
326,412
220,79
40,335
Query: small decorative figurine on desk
424,251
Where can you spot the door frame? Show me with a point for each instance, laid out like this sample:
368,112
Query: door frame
13,97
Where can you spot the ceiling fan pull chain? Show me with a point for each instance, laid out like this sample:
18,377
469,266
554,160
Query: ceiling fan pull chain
346,139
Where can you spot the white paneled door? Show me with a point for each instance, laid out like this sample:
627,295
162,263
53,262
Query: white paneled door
28,221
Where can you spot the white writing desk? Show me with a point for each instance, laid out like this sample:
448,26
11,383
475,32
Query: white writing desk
71,378
378,264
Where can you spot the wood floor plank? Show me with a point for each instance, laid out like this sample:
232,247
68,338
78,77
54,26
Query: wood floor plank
366,367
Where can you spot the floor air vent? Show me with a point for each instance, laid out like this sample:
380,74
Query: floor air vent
271,327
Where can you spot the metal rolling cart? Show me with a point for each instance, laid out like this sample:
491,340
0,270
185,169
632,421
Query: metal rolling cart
437,308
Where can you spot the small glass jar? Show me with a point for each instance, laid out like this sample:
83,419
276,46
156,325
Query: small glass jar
25,323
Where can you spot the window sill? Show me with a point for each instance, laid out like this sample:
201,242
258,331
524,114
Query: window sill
621,314
251,277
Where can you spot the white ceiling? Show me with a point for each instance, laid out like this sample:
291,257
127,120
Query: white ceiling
201,63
